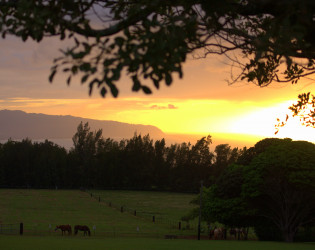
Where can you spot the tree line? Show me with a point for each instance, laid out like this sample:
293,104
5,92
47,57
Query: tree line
138,163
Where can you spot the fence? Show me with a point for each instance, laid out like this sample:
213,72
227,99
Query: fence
169,228
149,216
15,228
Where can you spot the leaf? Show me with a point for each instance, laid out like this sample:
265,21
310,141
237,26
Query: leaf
69,80
119,41
113,90
91,85
24,37
168,79
156,83
84,78
103,92
74,69
51,76
76,41
136,83
146,90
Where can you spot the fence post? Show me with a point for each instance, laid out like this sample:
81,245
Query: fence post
110,204
179,225
153,218
99,199
21,228
121,209
135,213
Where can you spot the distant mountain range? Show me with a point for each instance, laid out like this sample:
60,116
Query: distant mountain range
19,125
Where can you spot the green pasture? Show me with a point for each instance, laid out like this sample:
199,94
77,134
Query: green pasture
162,205
38,209
42,210
77,243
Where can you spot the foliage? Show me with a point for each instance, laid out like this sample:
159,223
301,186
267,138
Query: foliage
152,39
86,143
280,183
137,163
27,164
86,146
223,202
304,108
224,156
273,189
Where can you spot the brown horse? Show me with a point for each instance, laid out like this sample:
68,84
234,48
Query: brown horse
240,233
85,229
219,233
64,228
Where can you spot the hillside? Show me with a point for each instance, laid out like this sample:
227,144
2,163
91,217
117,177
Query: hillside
18,125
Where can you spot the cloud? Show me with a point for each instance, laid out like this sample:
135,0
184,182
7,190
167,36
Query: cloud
171,106
158,107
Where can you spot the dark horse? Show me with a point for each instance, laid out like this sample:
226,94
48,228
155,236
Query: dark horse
64,228
85,229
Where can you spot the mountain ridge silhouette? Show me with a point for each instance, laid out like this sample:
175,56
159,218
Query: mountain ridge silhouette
17,124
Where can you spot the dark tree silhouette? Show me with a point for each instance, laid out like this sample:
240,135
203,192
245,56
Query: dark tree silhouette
273,191
152,39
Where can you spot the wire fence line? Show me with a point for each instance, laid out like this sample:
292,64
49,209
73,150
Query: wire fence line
169,228
10,228
147,215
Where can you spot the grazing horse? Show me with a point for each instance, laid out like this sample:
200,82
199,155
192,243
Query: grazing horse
233,232
64,228
211,233
219,233
85,229
239,233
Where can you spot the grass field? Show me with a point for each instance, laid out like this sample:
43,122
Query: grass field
38,209
42,210
47,243
162,205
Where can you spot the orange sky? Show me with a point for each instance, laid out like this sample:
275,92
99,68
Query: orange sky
200,103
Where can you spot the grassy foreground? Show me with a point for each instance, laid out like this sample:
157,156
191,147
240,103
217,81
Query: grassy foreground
51,242
42,210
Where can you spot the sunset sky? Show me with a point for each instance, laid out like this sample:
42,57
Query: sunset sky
200,103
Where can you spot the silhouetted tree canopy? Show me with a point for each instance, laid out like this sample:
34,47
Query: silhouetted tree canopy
273,191
150,40
137,163
304,109
279,182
